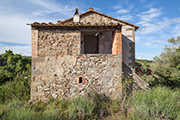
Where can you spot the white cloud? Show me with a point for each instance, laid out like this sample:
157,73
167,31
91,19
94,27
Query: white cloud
149,5
144,23
142,1
14,28
41,12
155,38
117,7
123,8
150,14
176,29
162,26
139,57
138,39
51,7
149,17
23,50
125,17
150,44
147,56
156,41
151,11
122,11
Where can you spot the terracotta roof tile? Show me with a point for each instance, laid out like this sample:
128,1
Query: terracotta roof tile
73,24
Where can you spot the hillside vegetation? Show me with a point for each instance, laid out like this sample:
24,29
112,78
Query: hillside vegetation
165,69
161,102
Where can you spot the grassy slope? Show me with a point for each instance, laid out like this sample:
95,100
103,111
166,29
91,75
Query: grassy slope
157,103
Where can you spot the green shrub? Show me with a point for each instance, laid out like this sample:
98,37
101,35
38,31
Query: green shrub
157,103
15,110
167,65
11,64
81,107
23,113
17,89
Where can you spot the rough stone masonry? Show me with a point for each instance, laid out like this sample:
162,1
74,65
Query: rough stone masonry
60,68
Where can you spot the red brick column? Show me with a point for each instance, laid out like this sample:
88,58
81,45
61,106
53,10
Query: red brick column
34,41
117,43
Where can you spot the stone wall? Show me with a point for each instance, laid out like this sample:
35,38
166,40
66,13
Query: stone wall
68,75
128,34
93,18
138,82
126,69
58,42
128,40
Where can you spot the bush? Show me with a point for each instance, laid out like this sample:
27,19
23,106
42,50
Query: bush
18,89
81,107
167,66
78,108
158,103
11,64
142,69
16,111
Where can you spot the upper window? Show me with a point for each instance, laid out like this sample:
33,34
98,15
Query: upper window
96,43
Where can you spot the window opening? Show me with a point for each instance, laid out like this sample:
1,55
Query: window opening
80,79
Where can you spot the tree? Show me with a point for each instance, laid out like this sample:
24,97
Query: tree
167,65
11,64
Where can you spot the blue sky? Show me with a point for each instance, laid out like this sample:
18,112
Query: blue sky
16,35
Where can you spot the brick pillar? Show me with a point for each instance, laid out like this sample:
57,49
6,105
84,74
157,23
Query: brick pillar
34,41
117,42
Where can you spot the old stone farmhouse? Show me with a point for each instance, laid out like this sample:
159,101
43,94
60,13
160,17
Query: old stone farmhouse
88,51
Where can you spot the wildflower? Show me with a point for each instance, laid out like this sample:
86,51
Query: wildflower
140,73
139,69
130,74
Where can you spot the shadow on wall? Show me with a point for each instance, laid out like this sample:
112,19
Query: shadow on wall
128,51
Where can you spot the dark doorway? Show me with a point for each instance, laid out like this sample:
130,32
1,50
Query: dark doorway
91,44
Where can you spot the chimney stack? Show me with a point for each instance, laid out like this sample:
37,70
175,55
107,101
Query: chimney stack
90,9
76,17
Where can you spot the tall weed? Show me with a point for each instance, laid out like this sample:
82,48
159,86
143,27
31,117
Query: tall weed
157,103
81,107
